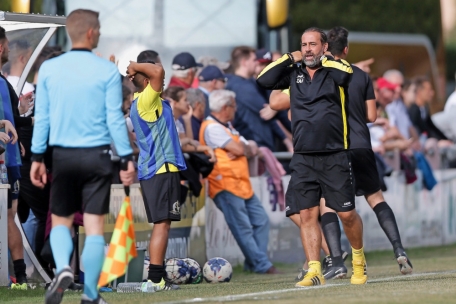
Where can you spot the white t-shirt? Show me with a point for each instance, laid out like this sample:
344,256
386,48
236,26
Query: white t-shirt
28,88
376,132
451,102
215,135
129,124
179,126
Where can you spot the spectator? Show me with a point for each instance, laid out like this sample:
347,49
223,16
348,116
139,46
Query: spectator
184,70
10,121
209,60
251,101
396,110
20,52
419,112
197,101
385,137
408,93
276,55
178,100
211,78
179,103
229,183
445,120
263,57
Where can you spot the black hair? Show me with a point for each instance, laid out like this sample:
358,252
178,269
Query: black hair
2,33
148,55
337,40
323,37
125,92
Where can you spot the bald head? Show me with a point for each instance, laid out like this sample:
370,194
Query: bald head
83,27
394,76
397,78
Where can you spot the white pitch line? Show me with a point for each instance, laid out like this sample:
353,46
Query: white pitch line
269,292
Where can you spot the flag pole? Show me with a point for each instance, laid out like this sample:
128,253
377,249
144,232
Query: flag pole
127,194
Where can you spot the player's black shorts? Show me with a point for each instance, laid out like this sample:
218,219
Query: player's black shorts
365,171
317,175
81,180
161,195
14,175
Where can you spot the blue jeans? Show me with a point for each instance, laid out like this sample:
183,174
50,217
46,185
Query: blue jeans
249,225
29,228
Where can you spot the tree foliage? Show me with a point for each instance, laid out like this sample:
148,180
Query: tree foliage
5,5
387,16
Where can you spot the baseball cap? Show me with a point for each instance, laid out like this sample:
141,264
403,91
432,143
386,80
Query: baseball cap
209,60
184,61
263,56
382,83
211,72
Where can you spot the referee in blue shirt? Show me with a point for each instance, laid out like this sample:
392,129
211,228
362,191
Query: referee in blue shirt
78,109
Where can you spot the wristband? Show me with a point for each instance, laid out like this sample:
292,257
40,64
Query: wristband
124,161
291,57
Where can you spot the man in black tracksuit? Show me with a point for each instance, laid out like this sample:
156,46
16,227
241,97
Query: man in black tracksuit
321,164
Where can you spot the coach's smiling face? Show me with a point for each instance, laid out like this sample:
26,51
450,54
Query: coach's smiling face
312,49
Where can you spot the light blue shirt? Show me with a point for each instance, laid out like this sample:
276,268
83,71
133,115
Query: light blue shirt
78,104
398,117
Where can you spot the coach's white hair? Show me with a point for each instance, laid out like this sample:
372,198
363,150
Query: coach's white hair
390,74
181,73
220,98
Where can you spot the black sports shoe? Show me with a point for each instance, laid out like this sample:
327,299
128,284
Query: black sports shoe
301,274
75,287
335,272
86,300
327,261
59,284
405,266
170,286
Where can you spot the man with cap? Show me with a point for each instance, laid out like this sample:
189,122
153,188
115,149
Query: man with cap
211,78
263,57
184,70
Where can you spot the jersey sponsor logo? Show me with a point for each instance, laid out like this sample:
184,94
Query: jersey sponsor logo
176,208
300,79
347,204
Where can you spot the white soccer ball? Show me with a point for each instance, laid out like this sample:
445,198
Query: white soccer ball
177,271
217,270
196,275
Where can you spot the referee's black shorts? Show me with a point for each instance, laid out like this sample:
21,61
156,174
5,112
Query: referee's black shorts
161,196
365,172
316,175
81,180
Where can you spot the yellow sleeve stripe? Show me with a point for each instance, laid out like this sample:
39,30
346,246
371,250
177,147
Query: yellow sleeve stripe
149,104
273,64
286,91
344,116
344,66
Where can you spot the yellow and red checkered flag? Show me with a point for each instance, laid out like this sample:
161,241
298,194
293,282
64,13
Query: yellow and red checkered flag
122,247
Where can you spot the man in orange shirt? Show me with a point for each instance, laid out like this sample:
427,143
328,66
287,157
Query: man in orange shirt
229,183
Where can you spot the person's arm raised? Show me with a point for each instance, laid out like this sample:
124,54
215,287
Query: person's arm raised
154,72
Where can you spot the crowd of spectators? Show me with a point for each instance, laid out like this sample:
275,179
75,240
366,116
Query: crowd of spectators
404,136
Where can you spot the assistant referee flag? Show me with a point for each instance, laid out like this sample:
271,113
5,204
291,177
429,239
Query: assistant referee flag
122,247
